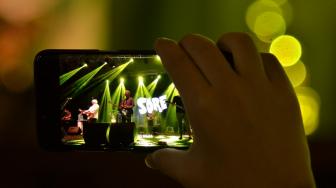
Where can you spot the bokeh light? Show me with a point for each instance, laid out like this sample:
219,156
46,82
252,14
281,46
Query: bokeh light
280,2
287,49
269,25
296,73
257,8
17,79
310,104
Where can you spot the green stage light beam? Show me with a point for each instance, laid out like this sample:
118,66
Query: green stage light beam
170,119
141,89
105,111
140,92
151,87
76,87
65,77
110,75
116,98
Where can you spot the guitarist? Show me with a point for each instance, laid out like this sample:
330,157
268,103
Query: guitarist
181,115
126,107
93,112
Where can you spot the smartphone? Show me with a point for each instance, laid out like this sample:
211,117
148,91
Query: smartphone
107,100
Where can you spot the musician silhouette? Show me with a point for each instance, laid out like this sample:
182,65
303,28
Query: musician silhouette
181,116
126,107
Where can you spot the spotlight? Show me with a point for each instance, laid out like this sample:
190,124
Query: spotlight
131,60
140,79
113,66
85,65
157,57
105,63
158,77
122,80
107,81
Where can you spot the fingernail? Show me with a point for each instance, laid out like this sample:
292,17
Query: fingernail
163,40
149,161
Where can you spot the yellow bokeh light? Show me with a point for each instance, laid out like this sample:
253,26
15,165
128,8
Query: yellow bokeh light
280,2
269,25
287,49
259,7
309,104
296,73
287,12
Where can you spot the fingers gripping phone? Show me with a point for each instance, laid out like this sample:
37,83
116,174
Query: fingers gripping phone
101,100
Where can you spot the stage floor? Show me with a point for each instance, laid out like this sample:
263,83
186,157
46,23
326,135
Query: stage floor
143,140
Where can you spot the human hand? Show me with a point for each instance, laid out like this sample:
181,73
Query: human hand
246,120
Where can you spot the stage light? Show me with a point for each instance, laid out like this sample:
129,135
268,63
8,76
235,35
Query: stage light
141,80
113,66
287,49
64,77
131,60
105,106
122,80
105,63
151,87
79,84
157,58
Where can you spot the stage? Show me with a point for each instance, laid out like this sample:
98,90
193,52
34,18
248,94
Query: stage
141,140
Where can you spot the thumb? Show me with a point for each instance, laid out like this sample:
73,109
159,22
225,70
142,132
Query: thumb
169,161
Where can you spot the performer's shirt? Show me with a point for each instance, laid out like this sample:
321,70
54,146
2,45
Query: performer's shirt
94,109
129,103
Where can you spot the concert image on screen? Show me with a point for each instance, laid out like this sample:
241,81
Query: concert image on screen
123,101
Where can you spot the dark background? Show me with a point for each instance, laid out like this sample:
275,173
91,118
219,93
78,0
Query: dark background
27,27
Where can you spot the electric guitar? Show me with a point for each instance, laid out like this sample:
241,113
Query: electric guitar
87,113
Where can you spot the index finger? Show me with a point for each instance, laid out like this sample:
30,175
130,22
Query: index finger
185,74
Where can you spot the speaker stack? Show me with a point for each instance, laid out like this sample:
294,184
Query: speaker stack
106,134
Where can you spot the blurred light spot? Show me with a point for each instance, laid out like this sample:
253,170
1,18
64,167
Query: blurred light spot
280,2
287,12
287,49
296,73
310,105
22,11
259,7
269,25
18,79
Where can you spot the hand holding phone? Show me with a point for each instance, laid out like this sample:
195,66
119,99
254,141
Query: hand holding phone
246,120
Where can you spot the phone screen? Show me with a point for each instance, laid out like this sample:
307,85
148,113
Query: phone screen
122,100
